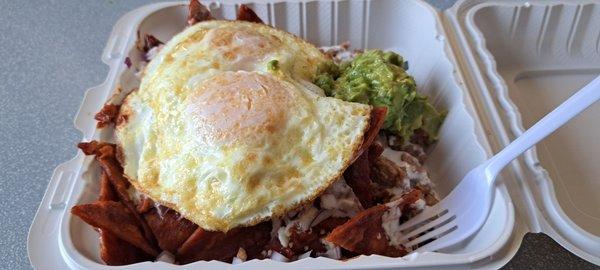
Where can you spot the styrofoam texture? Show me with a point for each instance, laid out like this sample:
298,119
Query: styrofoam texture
532,56
412,28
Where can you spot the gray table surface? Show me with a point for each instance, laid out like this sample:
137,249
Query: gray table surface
49,55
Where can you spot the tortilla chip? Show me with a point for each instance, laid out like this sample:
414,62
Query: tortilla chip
115,218
197,13
114,251
170,229
211,245
106,156
107,193
364,233
375,123
247,14
358,177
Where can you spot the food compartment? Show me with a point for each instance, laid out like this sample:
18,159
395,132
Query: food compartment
410,28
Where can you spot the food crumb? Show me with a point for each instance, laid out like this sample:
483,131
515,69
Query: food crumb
128,62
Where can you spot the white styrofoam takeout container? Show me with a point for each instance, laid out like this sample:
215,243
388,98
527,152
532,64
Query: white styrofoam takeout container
496,66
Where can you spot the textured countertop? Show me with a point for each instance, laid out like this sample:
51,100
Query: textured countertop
49,55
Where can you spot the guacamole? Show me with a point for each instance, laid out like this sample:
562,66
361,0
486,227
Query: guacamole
379,78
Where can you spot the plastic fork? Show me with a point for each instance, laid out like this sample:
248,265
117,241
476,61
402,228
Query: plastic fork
463,212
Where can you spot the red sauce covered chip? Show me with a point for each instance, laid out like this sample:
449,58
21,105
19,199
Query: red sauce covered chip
198,13
358,177
117,219
247,14
364,233
170,229
210,245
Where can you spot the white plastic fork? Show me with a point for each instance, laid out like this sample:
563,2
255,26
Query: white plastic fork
463,212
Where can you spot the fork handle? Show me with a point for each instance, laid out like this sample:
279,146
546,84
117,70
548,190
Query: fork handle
578,102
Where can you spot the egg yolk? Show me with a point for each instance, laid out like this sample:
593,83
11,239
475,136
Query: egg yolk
239,107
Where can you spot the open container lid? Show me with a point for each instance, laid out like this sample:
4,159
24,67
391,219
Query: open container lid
519,61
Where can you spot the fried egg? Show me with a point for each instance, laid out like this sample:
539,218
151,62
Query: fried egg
227,129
